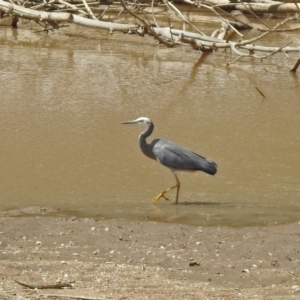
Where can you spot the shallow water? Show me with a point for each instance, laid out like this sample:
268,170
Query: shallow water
64,96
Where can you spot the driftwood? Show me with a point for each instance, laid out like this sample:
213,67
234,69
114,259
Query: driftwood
72,297
55,13
259,7
60,17
295,66
58,285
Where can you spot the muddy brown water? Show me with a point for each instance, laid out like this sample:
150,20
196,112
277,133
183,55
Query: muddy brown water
63,97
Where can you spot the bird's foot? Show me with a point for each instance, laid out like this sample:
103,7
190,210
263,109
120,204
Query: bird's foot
160,195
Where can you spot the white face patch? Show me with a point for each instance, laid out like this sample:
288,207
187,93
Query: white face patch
143,120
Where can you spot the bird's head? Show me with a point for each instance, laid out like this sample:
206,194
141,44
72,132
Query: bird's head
141,120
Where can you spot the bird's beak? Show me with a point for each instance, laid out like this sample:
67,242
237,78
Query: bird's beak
130,122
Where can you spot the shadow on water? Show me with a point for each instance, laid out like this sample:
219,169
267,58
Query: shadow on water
198,203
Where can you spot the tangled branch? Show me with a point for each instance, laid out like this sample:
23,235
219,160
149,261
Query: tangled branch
56,13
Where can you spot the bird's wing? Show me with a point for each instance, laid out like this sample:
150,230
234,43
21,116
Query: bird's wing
176,157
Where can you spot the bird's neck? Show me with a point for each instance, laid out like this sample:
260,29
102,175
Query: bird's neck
145,134
145,147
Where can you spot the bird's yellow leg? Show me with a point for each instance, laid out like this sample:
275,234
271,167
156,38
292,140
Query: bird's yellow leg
178,188
162,194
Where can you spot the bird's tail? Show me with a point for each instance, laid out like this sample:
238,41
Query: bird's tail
210,167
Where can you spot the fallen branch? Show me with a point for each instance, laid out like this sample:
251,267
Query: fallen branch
27,13
274,52
59,285
222,19
71,297
71,6
215,43
150,29
295,66
267,7
260,91
178,14
89,10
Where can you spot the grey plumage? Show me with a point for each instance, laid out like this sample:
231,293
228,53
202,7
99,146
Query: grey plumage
179,158
171,155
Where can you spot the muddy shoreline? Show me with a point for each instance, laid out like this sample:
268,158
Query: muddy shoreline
122,259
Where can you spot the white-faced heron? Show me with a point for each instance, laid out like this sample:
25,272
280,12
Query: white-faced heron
171,155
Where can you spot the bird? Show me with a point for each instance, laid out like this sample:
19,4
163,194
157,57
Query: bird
172,156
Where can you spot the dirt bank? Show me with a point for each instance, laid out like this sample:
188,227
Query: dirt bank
121,259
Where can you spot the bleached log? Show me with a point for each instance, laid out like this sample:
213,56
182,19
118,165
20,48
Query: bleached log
269,8
261,7
41,16
204,42
32,14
